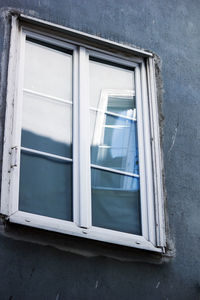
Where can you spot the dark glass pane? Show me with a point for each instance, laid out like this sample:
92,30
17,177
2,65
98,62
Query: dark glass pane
114,142
122,105
45,186
115,202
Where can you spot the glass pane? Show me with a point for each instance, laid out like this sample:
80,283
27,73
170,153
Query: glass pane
106,79
48,71
47,125
122,105
45,186
114,142
115,202
115,197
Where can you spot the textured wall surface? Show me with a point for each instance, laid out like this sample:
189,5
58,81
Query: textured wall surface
172,30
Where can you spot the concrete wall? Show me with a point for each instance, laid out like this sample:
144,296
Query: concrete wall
81,269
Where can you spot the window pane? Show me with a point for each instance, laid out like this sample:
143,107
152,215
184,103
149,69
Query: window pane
120,104
115,197
48,71
45,186
45,182
47,125
115,202
103,77
114,142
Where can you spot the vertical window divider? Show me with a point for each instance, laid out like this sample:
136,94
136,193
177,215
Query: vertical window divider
143,191
84,141
148,158
75,139
16,141
157,155
7,207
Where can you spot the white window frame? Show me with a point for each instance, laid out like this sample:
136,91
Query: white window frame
150,159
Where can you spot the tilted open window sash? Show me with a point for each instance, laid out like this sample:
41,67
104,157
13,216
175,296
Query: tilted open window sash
78,153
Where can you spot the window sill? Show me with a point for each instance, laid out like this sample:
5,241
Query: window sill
95,233
87,248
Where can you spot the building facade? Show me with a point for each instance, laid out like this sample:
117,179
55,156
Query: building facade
52,260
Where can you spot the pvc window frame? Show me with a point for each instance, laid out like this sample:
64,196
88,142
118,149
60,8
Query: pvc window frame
85,46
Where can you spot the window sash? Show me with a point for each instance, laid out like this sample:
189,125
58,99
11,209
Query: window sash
82,212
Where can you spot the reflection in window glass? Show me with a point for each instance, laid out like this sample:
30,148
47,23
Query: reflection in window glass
115,202
48,71
46,181
114,142
104,76
45,186
47,125
114,145
120,104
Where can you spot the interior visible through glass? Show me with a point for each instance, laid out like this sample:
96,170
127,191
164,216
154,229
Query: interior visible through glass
115,201
45,186
46,140
114,142
114,148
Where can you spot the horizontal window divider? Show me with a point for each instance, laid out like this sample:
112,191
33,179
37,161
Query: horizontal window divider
47,96
62,45
112,114
116,126
109,189
30,150
115,171
111,147
124,63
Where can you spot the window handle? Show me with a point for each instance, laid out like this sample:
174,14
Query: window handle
14,156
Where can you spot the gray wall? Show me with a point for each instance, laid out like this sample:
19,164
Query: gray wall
30,270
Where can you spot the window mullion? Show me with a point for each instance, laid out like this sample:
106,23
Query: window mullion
156,154
7,207
76,177
143,191
84,141
16,139
148,158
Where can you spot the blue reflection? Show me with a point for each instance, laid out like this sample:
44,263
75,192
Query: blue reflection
116,197
117,146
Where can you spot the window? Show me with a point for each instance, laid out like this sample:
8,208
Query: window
82,152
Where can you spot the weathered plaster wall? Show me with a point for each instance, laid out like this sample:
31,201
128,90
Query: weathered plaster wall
170,29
